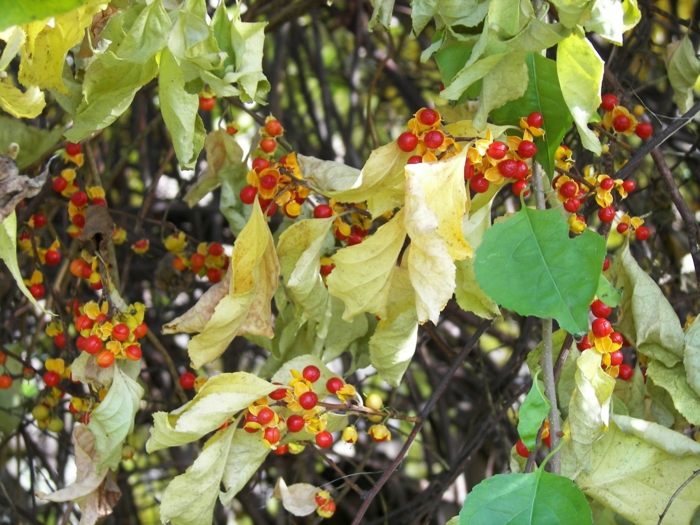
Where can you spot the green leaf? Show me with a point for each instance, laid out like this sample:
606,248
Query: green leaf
179,109
18,12
247,453
190,498
532,413
683,70
674,381
247,40
224,161
535,498
470,74
637,479
610,21
34,143
607,293
543,94
573,12
11,399
528,263
393,343
508,17
580,71
113,419
108,89
691,355
503,84
381,13
646,317
537,36
146,36
219,399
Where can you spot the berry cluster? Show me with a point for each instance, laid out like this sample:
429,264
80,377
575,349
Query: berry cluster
522,449
208,260
426,139
85,267
618,119
352,220
603,338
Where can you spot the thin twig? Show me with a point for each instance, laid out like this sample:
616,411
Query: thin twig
676,493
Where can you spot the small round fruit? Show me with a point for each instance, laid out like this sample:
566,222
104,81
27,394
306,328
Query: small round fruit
105,359
521,449
508,168
206,103
622,227
268,145
642,233
607,183
51,378
121,332
324,439
295,423
215,249
572,205
55,424
273,128
415,159
428,116
626,372
60,340
37,290
323,211
535,119
5,381
93,345
621,123
260,164
374,401
497,150
479,184
278,394
197,262
407,141
617,338
629,185
133,352
41,412
281,450
308,400
83,322
265,415
609,101
606,264
187,380
600,309
79,199
644,130
73,148
272,435
519,187
326,269
601,327
616,358
248,194
140,331
214,275
606,214
433,139
311,373
334,384
52,257
584,343
527,149
468,170
354,239
522,170
39,220
268,182
569,189
59,184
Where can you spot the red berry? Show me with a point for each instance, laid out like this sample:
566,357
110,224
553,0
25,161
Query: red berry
617,338
629,185
609,101
268,181
644,130
281,450
326,269
479,184
39,220
215,249
268,206
334,384
497,150
584,343
621,123
38,291
521,449
141,331
265,415
606,214
92,344
206,103
568,189
626,372
606,264
83,322
415,159
324,439
120,332
73,148
535,119
51,379
622,227
273,127
616,358
428,116
248,194
519,187
527,149
468,170
272,435
522,170
52,257
508,168
600,309
311,373
278,394
323,211
601,327
5,381
78,219
60,340
187,380
268,145
196,262
214,275
59,184
308,400
407,141
79,199
433,139
354,239
607,183
133,352
642,233
260,164
295,423
572,205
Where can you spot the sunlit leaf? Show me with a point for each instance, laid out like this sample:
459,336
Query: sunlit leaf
674,381
20,12
18,103
691,355
245,456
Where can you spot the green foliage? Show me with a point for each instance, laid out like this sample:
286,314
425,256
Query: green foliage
538,497
528,263
683,71
20,12
532,414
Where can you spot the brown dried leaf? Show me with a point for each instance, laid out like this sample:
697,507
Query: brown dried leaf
15,187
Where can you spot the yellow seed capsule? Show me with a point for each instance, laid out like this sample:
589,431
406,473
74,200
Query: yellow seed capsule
350,434
379,433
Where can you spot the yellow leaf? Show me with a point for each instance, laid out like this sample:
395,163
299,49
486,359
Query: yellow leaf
362,272
245,308
18,103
